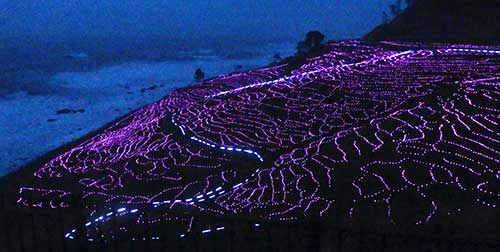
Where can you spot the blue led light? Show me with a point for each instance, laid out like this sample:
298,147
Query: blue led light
199,198
473,50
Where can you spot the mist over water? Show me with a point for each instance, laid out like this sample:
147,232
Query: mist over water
27,68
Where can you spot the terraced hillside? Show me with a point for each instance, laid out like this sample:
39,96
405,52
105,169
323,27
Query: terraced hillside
406,133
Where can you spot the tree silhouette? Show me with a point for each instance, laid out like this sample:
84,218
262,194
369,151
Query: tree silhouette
238,68
277,58
396,9
199,75
311,43
385,17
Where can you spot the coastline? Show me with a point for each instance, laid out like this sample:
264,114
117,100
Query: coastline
72,104
448,226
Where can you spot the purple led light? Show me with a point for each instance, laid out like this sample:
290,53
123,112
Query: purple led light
394,123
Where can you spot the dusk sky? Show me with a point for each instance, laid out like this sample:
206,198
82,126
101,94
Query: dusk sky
193,20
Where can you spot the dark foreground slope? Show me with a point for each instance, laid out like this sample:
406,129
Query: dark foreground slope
454,21
376,144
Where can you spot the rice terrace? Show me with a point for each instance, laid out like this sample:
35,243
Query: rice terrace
392,134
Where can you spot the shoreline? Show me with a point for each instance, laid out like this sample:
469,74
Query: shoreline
69,105
458,226
44,158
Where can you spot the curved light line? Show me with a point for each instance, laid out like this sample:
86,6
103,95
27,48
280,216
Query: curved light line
197,198
219,191
291,77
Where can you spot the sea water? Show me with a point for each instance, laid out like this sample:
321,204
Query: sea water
55,94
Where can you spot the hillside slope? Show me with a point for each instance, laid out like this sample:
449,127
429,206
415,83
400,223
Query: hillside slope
462,21
402,133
